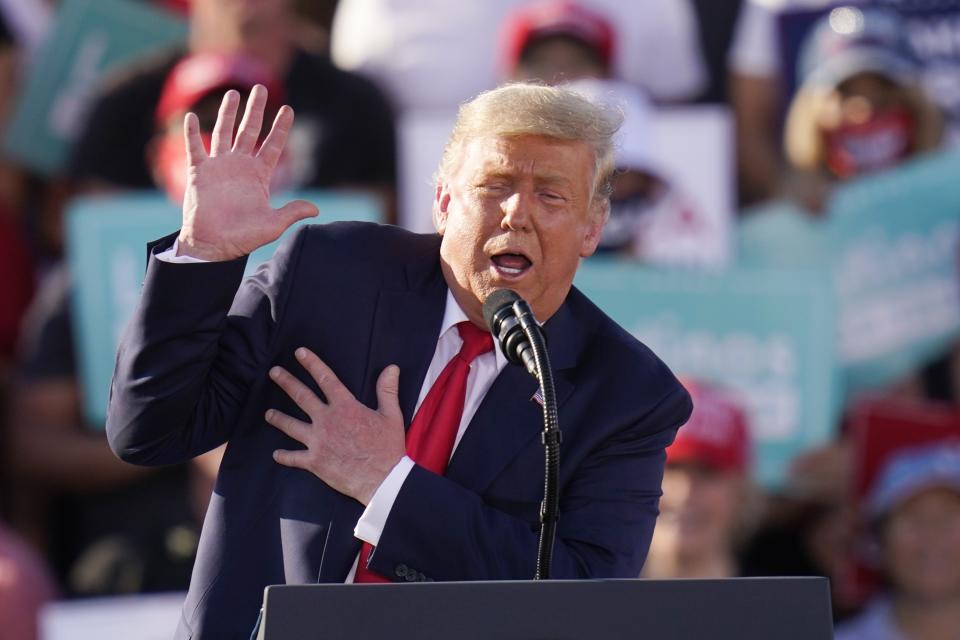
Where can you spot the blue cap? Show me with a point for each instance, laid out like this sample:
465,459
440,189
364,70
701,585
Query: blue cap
850,40
914,470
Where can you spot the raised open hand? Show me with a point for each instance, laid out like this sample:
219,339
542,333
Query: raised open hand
226,207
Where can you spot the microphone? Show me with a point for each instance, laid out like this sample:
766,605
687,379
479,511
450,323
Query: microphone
509,318
512,323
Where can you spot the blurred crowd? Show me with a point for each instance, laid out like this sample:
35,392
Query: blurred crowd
881,522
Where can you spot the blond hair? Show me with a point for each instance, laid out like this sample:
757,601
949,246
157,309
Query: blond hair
524,108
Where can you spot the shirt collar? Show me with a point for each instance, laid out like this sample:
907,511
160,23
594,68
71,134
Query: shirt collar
453,314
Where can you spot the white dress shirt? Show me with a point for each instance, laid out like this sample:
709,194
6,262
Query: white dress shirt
483,371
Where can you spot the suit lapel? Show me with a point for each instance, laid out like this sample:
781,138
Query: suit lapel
405,334
509,418
405,328
407,319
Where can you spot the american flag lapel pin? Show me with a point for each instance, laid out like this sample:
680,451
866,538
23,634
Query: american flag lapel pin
538,396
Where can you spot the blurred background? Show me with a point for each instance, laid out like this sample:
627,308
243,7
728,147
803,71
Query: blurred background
784,234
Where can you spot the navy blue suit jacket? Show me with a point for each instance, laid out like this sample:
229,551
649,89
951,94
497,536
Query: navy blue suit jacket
192,374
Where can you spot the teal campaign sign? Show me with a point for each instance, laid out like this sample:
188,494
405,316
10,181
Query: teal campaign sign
765,335
894,239
890,242
107,239
89,38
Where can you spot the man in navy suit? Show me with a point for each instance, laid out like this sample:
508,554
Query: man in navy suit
316,368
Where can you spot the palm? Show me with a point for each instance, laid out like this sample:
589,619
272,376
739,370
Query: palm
226,207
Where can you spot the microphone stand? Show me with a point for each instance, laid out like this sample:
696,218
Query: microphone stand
550,437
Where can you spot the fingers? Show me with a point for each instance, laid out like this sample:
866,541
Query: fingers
252,120
223,129
191,136
298,392
299,459
323,376
296,210
388,389
272,147
292,427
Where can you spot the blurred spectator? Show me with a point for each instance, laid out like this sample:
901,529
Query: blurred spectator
651,219
343,136
556,42
25,587
22,26
716,20
126,529
757,94
16,288
28,22
808,526
858,109
913,512
105,526
197,83
707,496
434,54
314,24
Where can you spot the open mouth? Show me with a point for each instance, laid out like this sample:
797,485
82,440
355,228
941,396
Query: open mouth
511,265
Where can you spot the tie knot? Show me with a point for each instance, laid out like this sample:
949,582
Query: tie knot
476,341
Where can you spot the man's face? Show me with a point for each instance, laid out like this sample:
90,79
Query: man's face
257,28
922,545
516,213
698,511
559,59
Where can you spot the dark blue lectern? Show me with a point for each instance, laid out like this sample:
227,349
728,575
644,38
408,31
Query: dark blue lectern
741,609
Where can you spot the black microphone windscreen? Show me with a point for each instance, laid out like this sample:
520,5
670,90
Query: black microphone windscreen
496,301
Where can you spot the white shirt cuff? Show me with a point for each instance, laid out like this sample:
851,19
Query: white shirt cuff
170,255
370,525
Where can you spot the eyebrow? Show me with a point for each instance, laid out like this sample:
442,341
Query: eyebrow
539,178
553,178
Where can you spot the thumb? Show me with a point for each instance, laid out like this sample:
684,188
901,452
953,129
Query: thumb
388,388
296,210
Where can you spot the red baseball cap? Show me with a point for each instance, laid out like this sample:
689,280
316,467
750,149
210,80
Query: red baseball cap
199,75
556,18
716,434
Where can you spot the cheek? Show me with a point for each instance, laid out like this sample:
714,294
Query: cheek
903,553
462,245
719,501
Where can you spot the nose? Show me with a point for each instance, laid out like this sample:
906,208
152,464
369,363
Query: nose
516,213
858,110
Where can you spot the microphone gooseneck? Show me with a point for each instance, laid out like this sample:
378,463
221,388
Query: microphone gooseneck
521,338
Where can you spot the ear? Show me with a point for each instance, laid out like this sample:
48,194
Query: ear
593,227
441,204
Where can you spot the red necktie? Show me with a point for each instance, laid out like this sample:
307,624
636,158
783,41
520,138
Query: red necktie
434,429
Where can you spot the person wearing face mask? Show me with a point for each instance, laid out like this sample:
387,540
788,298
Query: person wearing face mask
119,529
859,109
197,84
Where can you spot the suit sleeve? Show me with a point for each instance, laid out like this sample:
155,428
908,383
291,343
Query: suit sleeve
191,353
440,530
